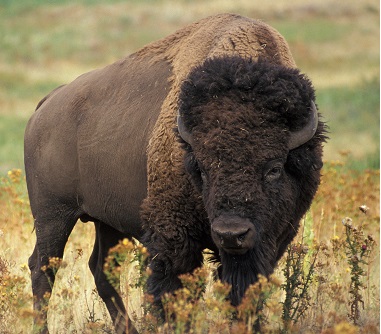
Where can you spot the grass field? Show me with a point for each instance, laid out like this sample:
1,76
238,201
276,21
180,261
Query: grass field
45,44
325,307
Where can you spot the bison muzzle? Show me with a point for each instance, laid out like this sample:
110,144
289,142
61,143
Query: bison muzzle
233,234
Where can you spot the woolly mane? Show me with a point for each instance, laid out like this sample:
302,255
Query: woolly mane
269,86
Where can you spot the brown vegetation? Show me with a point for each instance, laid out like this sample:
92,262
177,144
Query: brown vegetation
327,282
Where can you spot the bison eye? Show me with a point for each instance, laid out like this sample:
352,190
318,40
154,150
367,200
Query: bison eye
204,178
273,170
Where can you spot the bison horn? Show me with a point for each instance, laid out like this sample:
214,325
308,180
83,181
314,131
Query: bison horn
184,134
302,136
297,138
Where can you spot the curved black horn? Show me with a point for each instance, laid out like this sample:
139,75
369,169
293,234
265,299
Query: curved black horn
302,136
184,134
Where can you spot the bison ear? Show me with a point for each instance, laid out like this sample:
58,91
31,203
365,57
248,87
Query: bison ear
184,134
298,138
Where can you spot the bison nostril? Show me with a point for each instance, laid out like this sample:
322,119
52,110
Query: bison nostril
221,241
242,236
231,239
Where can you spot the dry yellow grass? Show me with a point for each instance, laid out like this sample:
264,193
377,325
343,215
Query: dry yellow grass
76,308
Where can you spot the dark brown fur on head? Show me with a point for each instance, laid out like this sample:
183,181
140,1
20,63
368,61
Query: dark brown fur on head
240,114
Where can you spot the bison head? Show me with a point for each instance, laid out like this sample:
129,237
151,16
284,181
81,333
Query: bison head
254,148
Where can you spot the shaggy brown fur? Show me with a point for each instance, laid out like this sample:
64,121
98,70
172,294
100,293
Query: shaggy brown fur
103,148
240,113
222,35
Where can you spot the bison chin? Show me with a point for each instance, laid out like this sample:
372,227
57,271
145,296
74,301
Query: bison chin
240,271
242,254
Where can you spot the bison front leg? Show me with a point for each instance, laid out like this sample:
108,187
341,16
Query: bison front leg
169,259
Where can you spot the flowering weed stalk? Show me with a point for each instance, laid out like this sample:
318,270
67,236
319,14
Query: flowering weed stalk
358,251
251,312
129,251
298,278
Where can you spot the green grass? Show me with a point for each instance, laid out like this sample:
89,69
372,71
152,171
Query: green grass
48,43
317,30
19,86
11,141
17,7
353,117
352,108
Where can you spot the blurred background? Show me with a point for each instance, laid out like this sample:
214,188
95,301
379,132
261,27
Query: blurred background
44,44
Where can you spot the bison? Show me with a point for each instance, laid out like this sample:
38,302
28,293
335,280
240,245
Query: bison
208,138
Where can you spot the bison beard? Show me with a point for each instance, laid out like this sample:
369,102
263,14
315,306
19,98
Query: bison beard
241,271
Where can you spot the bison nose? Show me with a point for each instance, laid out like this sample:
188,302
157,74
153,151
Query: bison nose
230,239
233,234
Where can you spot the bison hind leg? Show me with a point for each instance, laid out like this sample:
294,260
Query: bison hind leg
106,238
52,232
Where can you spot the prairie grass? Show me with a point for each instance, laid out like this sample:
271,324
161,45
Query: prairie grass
327,282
